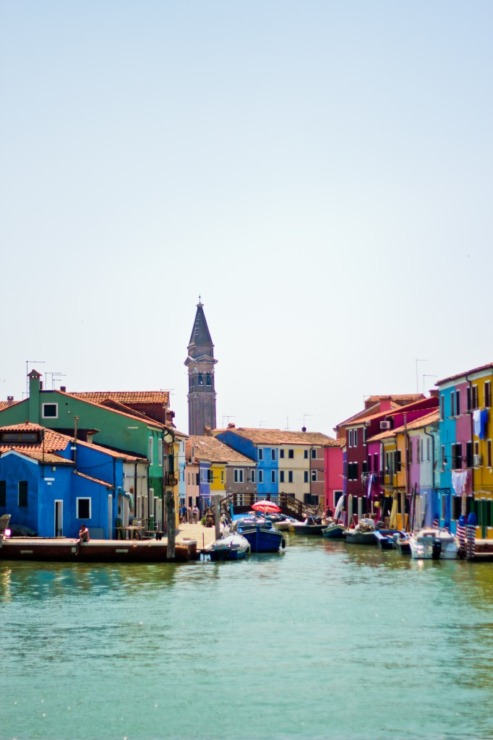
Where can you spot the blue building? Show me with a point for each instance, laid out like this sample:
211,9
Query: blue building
51,484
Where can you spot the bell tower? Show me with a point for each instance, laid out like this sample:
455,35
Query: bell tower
201,388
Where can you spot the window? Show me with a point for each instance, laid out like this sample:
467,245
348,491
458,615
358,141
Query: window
238,475
314,476
260,453
273,476
314,454
281,453
355,437
457,455
49,411
410,451
488,459
428,449
350,438
364,466
487,394
442,406
352,471
457,403
83,508
201,379
290,454
290,476
22,490
475,397
3,493
150,445
281,476
273,454
252,476
469,453
208,380
305,476
160,452
305,454
260,476
452,403
444,459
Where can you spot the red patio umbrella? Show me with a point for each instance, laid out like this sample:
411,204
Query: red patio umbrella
267,507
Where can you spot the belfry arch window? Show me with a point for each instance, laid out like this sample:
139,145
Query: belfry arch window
200,379
208,379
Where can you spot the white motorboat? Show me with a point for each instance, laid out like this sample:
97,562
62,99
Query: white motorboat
433,544
232,547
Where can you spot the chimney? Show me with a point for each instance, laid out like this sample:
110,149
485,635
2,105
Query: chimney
231,425
63,388
10,400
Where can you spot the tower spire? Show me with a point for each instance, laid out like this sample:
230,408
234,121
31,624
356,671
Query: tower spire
201,387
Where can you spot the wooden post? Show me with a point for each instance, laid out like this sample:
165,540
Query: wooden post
170,517
216,502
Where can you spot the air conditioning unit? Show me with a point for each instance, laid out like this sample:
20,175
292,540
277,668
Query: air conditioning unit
476,460
385,425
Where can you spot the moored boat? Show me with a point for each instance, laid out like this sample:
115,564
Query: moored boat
310,526
433,544
232,547
261,535
334,531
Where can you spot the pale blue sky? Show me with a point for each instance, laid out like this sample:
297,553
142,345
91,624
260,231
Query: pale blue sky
319,172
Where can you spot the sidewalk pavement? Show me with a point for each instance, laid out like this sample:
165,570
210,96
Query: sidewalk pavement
203,536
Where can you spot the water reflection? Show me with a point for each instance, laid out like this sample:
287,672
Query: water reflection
39,581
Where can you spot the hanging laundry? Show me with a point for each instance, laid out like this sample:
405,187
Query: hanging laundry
476,419
483,424
459,481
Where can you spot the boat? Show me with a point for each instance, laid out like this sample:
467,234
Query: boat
231,547
401,543
262,536
433,544
311,525
366,533
334,530
283,522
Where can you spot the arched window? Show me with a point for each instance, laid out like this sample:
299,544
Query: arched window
208,379
201,379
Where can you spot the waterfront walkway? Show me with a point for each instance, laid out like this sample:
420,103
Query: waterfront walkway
204,536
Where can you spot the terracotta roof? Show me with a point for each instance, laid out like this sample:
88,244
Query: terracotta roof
280,437
94,480
373,409
53,441
125,397
423,421
128,413
488,366
36,454
213,450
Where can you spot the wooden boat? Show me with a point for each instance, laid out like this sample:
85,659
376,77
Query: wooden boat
232,547
433,544
366,533
308,527
334,531
261,535
96,551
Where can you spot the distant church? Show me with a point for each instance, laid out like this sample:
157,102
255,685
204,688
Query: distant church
201,389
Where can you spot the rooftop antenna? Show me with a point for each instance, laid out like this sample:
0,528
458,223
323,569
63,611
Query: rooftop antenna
55,377
304,417
417,373
427,376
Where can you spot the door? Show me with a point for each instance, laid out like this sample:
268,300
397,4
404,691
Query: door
58,528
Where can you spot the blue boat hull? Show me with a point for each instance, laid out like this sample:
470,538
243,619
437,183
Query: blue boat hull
263,540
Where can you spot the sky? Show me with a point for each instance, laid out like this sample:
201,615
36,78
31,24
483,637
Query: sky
319,172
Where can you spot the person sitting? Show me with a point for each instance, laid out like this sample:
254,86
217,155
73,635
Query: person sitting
84,534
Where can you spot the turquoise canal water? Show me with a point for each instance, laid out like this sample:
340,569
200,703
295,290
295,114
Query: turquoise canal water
325,640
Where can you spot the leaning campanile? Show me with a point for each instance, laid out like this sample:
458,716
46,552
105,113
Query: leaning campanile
201,388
